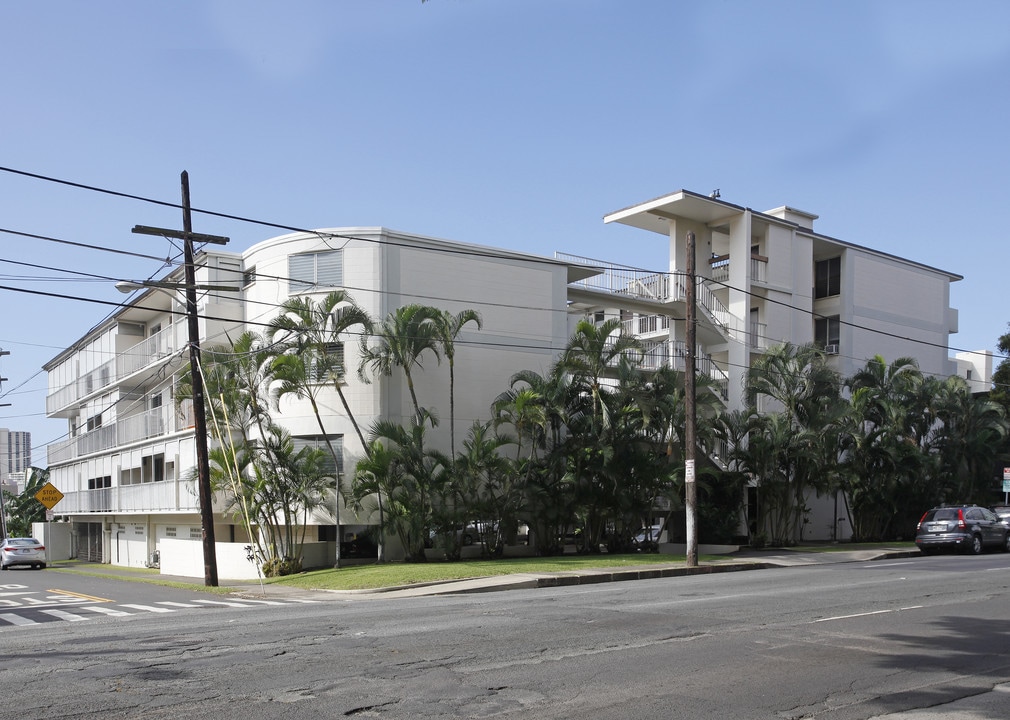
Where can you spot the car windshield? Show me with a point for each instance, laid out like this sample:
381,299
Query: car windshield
22,541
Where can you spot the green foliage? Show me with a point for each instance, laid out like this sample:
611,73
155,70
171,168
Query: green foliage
24,509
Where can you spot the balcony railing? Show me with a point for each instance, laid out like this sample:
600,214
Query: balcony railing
164,496
144,353
758,268
757,338
645,324
154,348
83,386
662,287
134,428
673,354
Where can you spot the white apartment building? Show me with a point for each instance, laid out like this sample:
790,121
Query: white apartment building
126,465
765,278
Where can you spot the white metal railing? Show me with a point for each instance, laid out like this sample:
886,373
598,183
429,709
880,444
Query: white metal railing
662,287
758,336
673,354
147,351
645,324
720,269
134,428
100,377
143,425
163,496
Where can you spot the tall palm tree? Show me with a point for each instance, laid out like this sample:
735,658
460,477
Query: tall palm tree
312,361
318,328
447,329
401,340
593,352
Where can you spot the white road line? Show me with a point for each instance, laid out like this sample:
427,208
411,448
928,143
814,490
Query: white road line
262,602
63,615
303,601
147,608
112,612
17,619
177,604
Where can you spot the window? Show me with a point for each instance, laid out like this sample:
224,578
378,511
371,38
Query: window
317,441
826,331
828,277
249,276
94,422
309,271
333,365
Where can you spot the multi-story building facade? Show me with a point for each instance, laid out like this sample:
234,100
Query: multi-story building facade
764,278
126,467
15,453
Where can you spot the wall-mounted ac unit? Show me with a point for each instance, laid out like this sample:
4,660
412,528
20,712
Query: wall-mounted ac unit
830,349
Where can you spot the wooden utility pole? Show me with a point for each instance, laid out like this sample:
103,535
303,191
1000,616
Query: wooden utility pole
199,404
690,410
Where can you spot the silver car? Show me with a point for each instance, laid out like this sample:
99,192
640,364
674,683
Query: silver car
22,551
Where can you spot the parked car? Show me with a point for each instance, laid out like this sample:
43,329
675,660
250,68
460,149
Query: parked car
647,538
1003,511
968,528
22,551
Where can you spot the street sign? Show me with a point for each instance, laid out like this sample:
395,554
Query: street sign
48,495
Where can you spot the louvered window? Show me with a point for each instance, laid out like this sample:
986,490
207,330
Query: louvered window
311,271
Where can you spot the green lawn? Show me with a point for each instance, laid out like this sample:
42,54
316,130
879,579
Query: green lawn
362,577
366,577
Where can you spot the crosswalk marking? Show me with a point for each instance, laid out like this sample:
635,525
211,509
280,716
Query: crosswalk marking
64,615
147,608
225,603
112,612
37,616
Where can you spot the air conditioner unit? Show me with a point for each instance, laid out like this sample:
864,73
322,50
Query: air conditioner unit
830,349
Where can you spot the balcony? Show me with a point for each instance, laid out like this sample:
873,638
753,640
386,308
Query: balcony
83,386
155,348
127,430
673,354
720,268
145,353
165,496
645,325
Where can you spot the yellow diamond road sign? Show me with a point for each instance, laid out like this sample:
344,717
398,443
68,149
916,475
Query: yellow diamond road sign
48,495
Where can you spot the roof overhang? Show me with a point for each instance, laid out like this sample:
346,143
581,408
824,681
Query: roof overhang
654,215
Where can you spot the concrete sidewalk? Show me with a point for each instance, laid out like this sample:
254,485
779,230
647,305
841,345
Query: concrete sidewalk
743,560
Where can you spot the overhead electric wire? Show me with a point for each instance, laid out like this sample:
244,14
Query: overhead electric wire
456,250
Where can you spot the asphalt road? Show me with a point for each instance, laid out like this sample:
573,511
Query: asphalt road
858,640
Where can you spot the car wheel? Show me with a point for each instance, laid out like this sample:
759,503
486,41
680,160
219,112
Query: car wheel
976,545
468,539
42,566
1006,543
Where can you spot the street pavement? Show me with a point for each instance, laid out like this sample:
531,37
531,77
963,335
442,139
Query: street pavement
992,703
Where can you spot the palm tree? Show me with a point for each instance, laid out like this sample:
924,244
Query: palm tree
318,329
402,338
412,475
808,394
447,328
592,352
312,360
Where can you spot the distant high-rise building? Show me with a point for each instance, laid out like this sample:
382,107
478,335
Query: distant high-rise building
15,452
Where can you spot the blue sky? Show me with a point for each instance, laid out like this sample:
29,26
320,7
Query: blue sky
517,124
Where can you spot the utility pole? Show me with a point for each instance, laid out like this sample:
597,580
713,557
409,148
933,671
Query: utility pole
199,405
690,410
3,509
